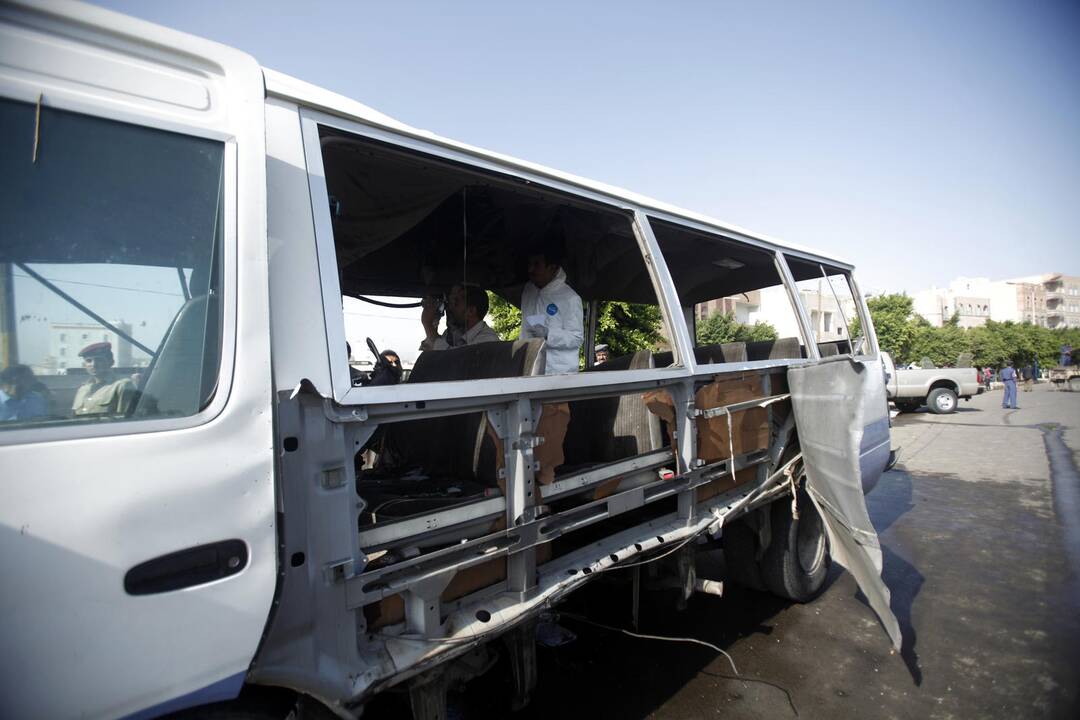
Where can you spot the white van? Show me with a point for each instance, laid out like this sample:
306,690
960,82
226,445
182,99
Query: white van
198,505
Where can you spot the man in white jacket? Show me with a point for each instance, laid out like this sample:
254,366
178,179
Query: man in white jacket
551,310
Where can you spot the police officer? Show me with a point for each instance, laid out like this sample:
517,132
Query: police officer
551,310
1008,378
104,393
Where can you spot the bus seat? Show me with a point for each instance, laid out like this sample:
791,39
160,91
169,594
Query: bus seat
182,377
612,428
708,354
450,446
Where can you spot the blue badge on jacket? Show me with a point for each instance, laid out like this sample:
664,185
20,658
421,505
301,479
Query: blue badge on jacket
552,309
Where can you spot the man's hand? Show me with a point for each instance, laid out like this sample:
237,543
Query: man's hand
539,331
429,316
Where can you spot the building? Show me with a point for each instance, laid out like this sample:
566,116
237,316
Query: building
1051,300
1060,298
67,339
741,306
828,316
968,298
773,306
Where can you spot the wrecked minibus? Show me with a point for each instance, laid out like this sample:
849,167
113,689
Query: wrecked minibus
200,508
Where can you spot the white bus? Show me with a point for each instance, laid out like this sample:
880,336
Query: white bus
199,507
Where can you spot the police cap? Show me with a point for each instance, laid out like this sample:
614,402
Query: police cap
94,349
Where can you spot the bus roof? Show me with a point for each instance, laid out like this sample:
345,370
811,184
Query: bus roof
289,88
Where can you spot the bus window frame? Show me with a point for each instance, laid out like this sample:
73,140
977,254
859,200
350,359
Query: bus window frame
73,103
344,393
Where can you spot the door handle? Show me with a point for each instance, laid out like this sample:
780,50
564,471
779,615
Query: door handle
186,568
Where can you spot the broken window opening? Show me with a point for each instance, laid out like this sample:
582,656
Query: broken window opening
733,298
826,293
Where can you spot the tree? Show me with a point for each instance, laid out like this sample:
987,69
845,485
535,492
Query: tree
942,344
723,327
895,324
624,327
628,327
989,347
505,318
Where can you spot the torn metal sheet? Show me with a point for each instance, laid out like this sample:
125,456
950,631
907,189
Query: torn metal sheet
839,405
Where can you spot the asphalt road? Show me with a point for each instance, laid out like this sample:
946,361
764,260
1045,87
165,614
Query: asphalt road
980,526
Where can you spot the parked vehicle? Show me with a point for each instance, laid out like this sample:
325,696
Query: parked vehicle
231,520
1066,377
939,389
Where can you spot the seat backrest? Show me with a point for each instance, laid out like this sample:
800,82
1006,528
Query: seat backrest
780,349
181,378
836,347
785,348
477,362
707,354
612,428
451,446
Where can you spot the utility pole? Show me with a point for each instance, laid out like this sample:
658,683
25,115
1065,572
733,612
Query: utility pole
9,344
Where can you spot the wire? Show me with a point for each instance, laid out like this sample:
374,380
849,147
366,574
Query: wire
747,678
643,636
695,641
101,285
383,303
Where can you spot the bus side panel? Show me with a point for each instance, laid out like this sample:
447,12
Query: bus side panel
85,503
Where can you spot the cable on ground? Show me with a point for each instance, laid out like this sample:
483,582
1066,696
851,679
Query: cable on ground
695,641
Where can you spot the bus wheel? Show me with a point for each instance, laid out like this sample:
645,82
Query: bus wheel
797,560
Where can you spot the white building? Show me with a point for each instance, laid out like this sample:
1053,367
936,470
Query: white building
741,306
1050,300
970,298
67,339
1053,298
828,317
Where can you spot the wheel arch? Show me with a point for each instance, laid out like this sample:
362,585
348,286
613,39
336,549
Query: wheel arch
943,383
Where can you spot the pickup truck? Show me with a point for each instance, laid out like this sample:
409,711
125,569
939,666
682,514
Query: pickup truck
937,388
1066,377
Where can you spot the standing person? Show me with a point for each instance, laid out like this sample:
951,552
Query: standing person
988,376
1028,375
104,393
551,310
1008,377
1066,355
1035,370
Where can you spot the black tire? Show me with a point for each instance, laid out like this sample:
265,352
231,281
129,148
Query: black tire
941,401
740,555
797,560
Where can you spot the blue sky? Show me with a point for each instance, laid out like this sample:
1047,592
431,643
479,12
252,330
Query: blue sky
919,140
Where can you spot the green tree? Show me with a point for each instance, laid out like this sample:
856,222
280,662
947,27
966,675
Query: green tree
942,344
723,327
895,323
628,327
505,318
624,327
989,346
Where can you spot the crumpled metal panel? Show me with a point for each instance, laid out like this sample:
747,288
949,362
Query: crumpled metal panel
838,407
